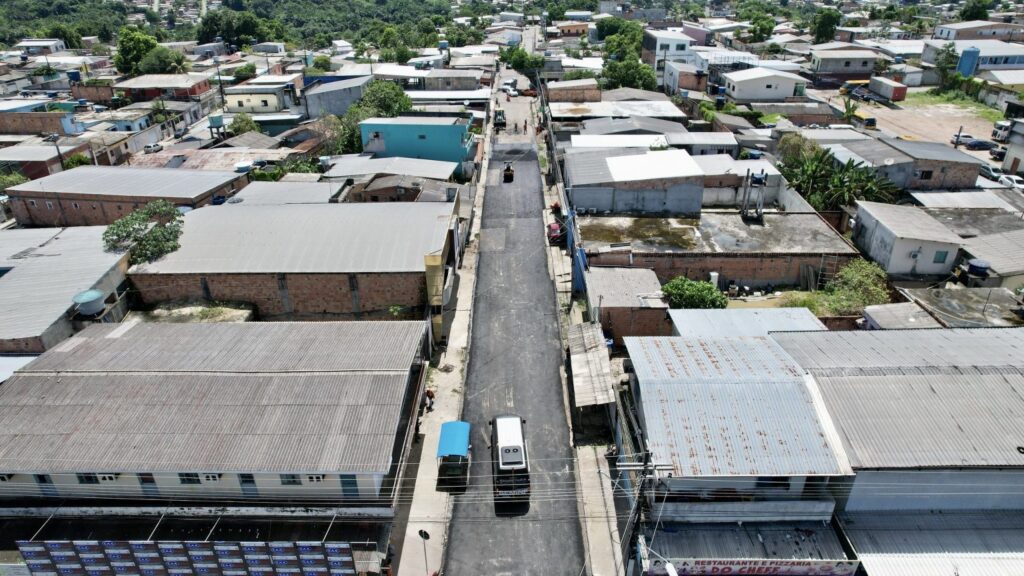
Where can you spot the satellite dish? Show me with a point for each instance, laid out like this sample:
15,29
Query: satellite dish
889,161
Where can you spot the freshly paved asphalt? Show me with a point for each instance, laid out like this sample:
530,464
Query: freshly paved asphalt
513,368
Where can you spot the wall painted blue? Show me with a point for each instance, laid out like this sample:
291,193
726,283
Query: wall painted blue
445,142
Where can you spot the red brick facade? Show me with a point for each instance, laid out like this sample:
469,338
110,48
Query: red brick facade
621,322
63,209
753,269
296,296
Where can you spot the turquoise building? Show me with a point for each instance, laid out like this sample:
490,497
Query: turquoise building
428,137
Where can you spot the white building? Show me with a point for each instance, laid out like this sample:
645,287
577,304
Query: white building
660,46
284,412
763,85
905,239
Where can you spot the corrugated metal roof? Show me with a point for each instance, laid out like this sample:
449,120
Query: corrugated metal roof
743,321
252,139
654,165
10,364
622,109
961,199
308,238
29,153
47,267
989,543
615,287
733,406
631,124
592,382
920,398
701,139
130,181
619,141
338,85
928,419
938,151
1004,252
589,165
884,351
909,222
359,165
274,397
166,81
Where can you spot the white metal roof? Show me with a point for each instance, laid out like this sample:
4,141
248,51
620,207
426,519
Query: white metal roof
731,406
760,74
621,109
161,81
961,199
47,267
28,153
308,238
988,48
655,165
743,321
1004,252
619,141
909,222
359,165
592,382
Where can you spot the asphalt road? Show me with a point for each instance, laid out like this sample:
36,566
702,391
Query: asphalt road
513,368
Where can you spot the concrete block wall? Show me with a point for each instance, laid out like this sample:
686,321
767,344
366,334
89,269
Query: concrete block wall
31,123
956,175
750,269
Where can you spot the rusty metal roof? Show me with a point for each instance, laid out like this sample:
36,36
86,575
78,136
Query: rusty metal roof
732,406
592,381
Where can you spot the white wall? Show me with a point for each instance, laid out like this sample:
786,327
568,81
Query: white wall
126,485
770,89
937,490
901,262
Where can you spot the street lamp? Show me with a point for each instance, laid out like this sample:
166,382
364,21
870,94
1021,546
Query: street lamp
424,535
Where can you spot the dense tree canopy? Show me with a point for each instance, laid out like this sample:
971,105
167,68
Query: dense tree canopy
26,18
975,10
132,46
824,25
163,60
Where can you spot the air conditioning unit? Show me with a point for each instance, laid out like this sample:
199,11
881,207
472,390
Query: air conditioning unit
914,254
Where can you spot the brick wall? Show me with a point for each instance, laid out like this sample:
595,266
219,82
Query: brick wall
31,122
283,296
957,175
585,94
751,269
50,209
31,345
97,94
621,322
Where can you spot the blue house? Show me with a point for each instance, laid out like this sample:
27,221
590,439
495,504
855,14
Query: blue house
429,137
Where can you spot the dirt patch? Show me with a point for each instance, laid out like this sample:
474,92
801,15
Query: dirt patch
194,312
665,232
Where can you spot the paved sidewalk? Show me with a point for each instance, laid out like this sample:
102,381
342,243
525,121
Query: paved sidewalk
604,547
431,509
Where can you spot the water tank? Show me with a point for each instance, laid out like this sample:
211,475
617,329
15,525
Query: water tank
714,279
684,94
23,57
898,59
89,302
719,102
83,102
51,95
978,267
969,61
442,45
721,89
75,75
216,120
243,167
325,162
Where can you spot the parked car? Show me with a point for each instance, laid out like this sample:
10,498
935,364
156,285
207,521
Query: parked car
150,148
991,172
980,145
512,93
998,153
964,138
1012,181
529,92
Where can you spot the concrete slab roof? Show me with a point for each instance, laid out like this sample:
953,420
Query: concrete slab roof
717,232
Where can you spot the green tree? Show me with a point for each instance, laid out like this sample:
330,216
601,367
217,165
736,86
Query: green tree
242,123
579,75
163,60
823,27
975,10
762,28
72,39
849,110
946,60
611,26
682,292
629,73
76,160
12,179
385,99
132,47
322,62
147,233
521,61
243,73
830,186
